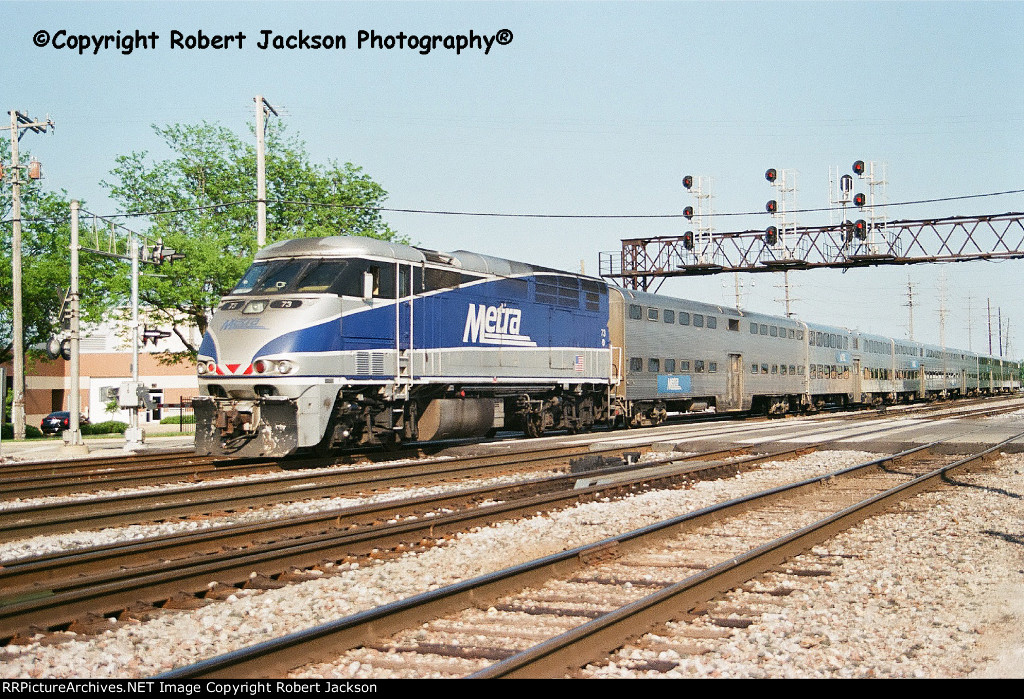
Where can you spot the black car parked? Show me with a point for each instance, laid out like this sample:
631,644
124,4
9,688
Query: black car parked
57,422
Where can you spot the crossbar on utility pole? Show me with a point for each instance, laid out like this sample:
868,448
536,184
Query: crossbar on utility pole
19,122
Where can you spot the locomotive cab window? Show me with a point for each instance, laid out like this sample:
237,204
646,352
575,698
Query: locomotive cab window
635,312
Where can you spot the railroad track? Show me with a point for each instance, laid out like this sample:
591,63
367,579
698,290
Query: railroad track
552,616
21,481
46,592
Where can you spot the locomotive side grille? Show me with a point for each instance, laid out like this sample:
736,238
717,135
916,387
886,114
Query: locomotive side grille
369,363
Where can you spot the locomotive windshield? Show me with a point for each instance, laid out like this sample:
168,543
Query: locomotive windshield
343,277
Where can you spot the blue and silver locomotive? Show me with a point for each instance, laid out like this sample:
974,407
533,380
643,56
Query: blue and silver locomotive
328,342
334,341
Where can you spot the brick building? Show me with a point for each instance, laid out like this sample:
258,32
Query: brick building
106,361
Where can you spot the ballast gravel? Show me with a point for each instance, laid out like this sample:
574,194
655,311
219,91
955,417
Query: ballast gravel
930,590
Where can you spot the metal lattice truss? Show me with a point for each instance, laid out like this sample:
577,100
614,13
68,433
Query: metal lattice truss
954,239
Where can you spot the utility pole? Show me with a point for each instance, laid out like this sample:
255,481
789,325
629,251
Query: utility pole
262,109
73,435
999,318
910,308
19,122
970,328
990,327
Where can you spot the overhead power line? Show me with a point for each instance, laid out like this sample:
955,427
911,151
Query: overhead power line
499,214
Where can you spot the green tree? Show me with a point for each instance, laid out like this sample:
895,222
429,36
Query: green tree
198,189
45,261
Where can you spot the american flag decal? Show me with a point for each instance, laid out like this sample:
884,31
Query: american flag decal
578,364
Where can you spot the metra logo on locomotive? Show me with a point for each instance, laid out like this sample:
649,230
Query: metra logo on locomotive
495,325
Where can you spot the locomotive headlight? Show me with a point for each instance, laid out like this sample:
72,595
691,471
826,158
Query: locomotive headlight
285,367
201,368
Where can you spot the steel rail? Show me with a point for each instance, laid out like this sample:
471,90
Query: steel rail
130,508
49,590
595,639
278,656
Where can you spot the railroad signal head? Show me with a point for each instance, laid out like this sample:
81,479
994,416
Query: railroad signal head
688,240
688,212
771,235
688,181
860,229
772,206
859,199
858,167
771,174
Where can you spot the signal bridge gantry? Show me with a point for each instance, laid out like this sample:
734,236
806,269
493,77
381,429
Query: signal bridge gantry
644,261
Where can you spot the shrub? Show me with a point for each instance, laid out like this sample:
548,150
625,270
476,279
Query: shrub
30,431
108,427
175,420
